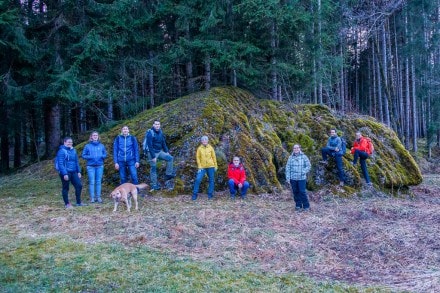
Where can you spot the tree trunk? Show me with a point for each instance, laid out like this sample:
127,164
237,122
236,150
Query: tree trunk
386,108
207,73
151,80
4,136
52,128
414,105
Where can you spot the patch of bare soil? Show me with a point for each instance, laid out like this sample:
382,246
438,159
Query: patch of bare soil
372,239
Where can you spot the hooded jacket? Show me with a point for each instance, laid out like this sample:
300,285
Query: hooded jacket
361,144
94,153
237,173
206,157
126,149
67,160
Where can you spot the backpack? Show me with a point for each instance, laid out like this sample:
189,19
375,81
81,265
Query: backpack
370,145
343,146
57,167
144,143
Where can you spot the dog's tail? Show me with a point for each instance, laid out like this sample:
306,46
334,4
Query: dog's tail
142,186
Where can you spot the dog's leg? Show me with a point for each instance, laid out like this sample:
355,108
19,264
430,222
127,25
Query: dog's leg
135,198
128,203
116,205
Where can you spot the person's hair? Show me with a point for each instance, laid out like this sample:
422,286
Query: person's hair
297,144
67,138
333,129
93,132
359,132
236,157
155,120
204,138
125,126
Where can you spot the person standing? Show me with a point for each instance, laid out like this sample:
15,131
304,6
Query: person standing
298,165
69,171
156,148
126,155
361,150
237,178
207,164
334,149
94,153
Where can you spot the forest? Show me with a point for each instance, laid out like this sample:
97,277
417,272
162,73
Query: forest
71,66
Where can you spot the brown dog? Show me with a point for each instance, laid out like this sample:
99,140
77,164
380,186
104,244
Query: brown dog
124,193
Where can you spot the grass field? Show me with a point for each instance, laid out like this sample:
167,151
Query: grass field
371,243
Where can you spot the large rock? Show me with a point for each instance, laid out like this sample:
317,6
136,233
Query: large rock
263,132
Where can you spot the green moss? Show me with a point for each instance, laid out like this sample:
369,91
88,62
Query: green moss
262,133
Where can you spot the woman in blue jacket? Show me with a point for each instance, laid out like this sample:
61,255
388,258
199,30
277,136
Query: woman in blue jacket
69,171
94,153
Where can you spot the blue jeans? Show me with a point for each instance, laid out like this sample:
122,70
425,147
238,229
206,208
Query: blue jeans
200,174
153,170
338,158
76,182
95,179
234,187
123,166
299,193
363,156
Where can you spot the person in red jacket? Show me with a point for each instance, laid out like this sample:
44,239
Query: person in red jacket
237,178
360,150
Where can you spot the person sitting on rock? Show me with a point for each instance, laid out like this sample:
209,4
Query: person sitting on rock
360,150
237,178
333,149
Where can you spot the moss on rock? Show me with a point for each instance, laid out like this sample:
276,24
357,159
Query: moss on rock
262,132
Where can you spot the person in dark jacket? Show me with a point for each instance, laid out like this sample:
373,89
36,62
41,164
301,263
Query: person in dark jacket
333,149
94,153
156,149
69,171
126,155
237,178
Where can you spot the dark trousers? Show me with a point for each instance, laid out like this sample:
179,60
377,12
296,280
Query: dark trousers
299,193
338,158
76,182
363,156
130,165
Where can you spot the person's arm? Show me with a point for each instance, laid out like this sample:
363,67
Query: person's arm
86,152
136,149
214,158
164,144
198,158
243,175
150,143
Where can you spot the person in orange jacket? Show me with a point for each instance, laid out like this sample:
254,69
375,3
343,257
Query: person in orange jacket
237,178
361,151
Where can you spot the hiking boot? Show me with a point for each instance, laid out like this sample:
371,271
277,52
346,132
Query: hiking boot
169,177
194,197
341,183
306,209
298,209
81,204
92,201
99,200
155,188
68,206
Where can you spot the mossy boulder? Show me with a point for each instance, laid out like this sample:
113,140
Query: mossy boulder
262,133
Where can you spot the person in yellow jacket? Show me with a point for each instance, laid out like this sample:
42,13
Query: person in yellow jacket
207,163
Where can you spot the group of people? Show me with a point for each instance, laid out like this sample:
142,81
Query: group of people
298,164
126,157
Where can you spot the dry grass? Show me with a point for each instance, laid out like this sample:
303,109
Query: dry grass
370,240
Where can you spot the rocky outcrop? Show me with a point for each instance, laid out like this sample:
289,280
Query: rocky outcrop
263,132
